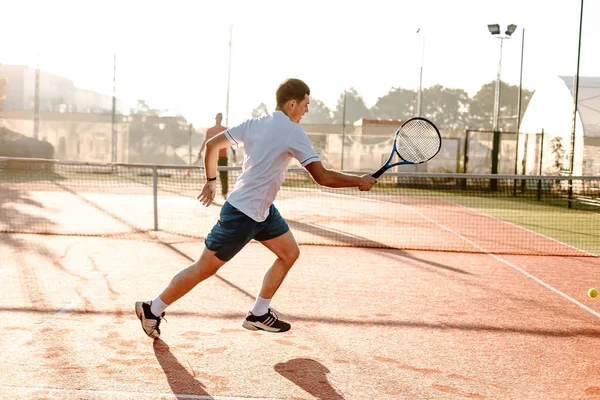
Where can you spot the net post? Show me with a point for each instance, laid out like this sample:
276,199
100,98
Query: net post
539,191
516,163
465,157
495,154
155,195
466,151
570,194
524,163
191,129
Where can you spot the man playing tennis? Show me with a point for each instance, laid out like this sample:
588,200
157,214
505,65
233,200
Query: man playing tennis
270,142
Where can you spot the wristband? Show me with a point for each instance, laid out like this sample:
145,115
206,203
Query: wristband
211,179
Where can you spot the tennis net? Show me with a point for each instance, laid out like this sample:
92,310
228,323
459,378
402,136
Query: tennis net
502,214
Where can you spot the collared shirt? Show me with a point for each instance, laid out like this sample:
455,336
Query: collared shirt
270,142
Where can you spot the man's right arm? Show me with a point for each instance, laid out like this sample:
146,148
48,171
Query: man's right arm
336,179
202,147
199,155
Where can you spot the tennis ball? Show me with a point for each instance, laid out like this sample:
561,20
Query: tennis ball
592,292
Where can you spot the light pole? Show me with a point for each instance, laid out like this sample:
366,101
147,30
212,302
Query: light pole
519,100
36,100
228,76
191,128
575,100
420,96
114,112
495,31
343,129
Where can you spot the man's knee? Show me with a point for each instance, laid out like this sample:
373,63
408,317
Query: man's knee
207,264
290,256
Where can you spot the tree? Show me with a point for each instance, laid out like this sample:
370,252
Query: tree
351,105
260,110
481,108
447,108
396,104
450,109
318,113
152,136
558,151
142,108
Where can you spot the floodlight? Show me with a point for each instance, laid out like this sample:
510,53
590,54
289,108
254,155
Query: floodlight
511,29
494,29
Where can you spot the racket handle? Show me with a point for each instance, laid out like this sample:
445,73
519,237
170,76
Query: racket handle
380,172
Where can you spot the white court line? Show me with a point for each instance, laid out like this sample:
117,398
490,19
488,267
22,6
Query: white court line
124,393
517,226
496,257
475,212
516,268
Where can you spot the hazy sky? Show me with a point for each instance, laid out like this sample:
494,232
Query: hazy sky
175,54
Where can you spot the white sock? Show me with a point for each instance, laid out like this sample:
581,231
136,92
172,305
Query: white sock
261,306
158,307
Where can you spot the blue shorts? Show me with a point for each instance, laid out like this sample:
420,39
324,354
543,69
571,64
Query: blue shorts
234,230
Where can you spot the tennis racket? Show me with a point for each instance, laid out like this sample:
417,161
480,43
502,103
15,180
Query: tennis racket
417,141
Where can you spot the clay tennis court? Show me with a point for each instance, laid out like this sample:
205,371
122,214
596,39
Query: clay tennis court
369,322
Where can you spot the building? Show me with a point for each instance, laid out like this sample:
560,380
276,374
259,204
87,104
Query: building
551,111
56,93
76,121
75,136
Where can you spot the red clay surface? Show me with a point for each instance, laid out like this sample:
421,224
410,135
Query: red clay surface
366,324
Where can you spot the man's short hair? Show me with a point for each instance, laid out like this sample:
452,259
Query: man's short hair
291,89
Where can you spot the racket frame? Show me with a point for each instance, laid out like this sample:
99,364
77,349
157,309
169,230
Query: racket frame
387,164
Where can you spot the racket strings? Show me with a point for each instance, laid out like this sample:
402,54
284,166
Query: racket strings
417,141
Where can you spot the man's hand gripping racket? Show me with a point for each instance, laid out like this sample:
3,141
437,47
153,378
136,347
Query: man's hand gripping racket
417,141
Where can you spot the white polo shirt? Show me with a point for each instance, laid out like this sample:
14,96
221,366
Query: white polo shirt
270,142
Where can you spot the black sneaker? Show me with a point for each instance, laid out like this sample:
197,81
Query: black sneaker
150,322
268,322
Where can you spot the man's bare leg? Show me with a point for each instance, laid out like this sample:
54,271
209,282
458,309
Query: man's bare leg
206,266
260,317
287,252
151,313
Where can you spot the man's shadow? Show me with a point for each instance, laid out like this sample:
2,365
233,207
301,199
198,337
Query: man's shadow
311,376
180,380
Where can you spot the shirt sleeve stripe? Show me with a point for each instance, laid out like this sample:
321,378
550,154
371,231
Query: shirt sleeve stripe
231,139
308,159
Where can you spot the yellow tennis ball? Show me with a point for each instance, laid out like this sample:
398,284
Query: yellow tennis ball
592,292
